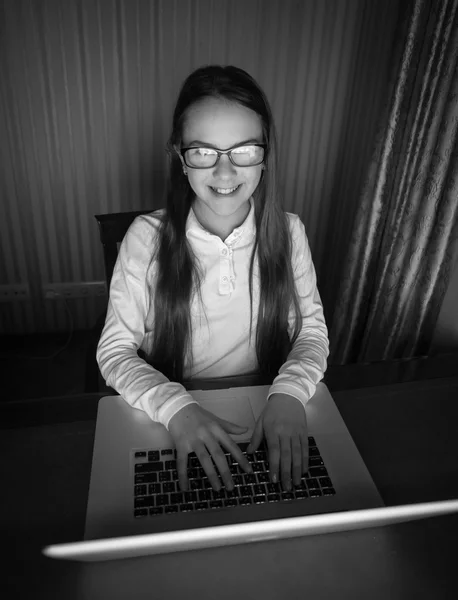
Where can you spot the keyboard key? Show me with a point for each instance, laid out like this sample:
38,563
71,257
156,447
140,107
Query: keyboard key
201,505
165,476
234,493
315,493
145,478
193,463
259,499
193,473
244,501
287,496
318,471
261,456
175,475
257,466
249,478
156,511
219,495
140,490
149,467
166,451
144,502
312,441
263,477
273,497
245,490
190,496
167,487
273,487
171,509
140,512
313,451
216,504
260,489
176,498
315,461
328,491
230,502
301,494
325,482
162,500
170,464
140,455
153,455
205,495
206,485
154,488
186,507
195,484
312,483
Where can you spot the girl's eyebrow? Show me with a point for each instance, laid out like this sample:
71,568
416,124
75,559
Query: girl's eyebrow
200,143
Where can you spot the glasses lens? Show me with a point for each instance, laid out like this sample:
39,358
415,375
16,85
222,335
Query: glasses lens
243,156
201,157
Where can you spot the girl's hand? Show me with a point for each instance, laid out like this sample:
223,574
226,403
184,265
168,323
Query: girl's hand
284,424
195,429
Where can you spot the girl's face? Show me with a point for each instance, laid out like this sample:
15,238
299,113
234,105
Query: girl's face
222,125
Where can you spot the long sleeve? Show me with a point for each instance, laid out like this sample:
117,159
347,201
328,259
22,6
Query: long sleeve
142,386
307,361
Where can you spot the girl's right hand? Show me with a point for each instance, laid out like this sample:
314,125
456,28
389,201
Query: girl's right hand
195,429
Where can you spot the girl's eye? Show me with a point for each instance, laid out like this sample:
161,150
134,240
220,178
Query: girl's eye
203,151
245,150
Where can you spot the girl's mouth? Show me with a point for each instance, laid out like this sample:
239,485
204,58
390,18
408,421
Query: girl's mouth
225,192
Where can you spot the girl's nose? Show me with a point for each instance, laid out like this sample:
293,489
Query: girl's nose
224,166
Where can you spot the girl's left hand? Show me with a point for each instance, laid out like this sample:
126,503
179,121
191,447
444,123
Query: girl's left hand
284,424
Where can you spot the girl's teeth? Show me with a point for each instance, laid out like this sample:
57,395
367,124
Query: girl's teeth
221,191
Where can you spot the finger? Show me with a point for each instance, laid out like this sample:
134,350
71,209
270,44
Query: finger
285,457
228,443
182,468
256,437
207,465
273,445
305,453
221,463
296,449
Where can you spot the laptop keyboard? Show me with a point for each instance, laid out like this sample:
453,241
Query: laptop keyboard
157,491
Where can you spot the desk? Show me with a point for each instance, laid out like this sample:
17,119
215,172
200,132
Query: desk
406,434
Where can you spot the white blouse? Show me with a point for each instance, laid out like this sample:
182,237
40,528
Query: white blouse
220,344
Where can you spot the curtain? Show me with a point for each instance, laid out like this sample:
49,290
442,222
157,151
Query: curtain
400,256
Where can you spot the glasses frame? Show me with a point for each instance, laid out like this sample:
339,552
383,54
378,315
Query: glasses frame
219,152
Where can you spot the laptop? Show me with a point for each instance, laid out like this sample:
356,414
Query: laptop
135,507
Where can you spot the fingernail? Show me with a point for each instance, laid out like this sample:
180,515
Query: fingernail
274,478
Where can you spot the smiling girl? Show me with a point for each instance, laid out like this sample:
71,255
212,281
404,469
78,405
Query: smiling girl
218,283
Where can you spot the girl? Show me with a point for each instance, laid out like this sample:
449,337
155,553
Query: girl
223,237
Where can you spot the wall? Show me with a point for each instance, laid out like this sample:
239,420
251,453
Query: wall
88,90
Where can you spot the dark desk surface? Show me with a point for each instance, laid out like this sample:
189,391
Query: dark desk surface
406,434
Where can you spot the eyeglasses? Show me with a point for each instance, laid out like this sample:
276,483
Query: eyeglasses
198,157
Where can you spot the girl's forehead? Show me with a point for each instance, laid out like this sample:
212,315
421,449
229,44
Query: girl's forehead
218,122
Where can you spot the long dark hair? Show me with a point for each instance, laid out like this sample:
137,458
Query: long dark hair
178,273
